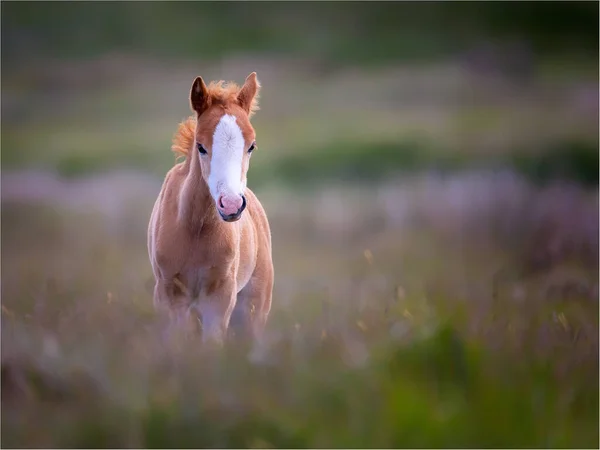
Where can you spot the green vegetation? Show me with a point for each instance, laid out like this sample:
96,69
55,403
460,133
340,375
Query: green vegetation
372,162
431,394
76,113
102,128
409,311
432,360
336,34
569,160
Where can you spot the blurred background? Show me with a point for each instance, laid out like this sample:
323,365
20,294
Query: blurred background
430,173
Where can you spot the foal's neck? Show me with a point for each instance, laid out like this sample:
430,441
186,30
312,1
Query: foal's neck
196,201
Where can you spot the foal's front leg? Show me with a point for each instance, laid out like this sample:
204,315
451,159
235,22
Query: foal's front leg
166,300
216,307
252,309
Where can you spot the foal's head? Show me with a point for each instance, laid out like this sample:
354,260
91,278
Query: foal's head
225,140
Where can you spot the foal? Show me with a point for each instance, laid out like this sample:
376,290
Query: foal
209,239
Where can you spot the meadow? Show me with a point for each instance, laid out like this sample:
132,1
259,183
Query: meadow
435,240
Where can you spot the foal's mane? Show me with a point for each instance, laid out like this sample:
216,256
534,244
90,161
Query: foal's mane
219,93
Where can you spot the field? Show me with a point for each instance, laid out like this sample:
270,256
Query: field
401,338
435,240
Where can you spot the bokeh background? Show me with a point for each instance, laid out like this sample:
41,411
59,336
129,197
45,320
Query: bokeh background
430,172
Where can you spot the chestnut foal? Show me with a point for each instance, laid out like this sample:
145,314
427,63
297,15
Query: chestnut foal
209,239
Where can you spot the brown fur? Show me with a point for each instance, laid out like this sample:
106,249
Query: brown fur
202,264
220,93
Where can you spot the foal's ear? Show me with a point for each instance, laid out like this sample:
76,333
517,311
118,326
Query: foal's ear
199,100
248,96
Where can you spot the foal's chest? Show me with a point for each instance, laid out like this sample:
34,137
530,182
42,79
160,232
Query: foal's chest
209,260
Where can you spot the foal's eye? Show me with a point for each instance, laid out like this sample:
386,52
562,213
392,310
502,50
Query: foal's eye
201,149
252,147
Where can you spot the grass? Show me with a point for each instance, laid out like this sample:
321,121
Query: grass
372,34
383,334
454,311
432,394
575,161
398,120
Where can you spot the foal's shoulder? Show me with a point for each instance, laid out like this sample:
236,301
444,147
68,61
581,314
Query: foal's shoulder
253,201
256,208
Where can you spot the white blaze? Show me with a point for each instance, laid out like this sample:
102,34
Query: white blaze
226,163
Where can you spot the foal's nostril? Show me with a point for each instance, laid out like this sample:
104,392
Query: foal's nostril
231,206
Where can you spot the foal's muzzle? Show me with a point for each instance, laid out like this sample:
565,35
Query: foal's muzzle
237,215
